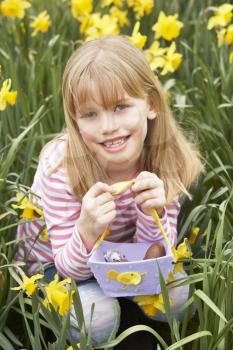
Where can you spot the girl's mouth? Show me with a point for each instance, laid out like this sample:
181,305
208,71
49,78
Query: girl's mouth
116,145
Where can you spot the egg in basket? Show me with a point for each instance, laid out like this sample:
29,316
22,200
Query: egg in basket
130,269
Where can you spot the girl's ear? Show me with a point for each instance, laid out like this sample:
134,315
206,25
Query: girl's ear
152,114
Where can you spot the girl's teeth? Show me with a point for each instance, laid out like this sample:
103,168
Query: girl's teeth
118,142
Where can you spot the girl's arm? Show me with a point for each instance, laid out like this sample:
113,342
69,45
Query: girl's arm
61,212
148,231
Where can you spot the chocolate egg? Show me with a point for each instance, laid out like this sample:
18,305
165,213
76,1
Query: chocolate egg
155,251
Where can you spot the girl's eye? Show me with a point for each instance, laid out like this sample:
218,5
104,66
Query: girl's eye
120,107
89,114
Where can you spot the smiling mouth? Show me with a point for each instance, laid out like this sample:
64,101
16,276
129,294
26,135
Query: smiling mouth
116,142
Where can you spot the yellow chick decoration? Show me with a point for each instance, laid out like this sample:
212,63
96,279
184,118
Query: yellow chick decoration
126,278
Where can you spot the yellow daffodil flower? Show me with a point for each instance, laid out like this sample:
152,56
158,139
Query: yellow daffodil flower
27,206
223,15
120,15
151,304
141,7
71,347
81,7
172,60
44,236
58,295
7,96
28,285
137,38
87,21
155,55
105,3
182,251
41,23
14,8
225,36
193,236
167,27
105,25
121,186
231,57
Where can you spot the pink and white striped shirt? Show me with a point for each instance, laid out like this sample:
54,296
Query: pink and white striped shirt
62,210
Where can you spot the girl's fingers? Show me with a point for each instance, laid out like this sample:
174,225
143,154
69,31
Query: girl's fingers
104,198
107,207
152,203
148,183
150,194
97,189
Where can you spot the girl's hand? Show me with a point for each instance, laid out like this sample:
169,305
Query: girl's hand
97,212
149,192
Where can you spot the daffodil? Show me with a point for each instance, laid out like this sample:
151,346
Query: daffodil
119,187
151,304
81,7
182,252
167,27
120,15
71,347
223,15
193,236
27,205
28,285
14,8
172,60
44,236
105,25
105,3
225,36
137,38
86,21
41,23
141,7
58,295
155,55
6,96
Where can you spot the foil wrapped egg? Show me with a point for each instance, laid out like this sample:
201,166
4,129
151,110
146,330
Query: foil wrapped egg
156,250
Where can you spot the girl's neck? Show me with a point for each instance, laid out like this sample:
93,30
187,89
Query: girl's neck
126,173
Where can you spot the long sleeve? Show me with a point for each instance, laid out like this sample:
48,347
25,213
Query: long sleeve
148,231
61,211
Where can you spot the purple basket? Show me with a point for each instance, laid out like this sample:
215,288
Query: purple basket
144,272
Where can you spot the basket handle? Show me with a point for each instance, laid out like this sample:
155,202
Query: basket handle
121,186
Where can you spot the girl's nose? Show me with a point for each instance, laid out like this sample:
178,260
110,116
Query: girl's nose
109,122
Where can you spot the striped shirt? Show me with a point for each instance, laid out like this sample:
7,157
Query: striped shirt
62,210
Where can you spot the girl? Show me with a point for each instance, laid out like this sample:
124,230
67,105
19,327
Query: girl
119,127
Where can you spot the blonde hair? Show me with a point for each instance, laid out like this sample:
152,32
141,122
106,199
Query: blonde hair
116,66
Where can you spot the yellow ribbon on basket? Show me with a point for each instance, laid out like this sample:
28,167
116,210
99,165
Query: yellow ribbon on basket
120,187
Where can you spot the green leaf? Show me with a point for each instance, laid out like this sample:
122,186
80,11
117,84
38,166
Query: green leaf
210,303
130,331
189,339
5,343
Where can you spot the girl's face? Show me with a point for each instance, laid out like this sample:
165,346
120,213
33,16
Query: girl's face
116,136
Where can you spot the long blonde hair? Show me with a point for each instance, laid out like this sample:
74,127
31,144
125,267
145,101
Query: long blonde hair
115,65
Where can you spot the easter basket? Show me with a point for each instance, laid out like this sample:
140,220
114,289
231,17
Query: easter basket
134,275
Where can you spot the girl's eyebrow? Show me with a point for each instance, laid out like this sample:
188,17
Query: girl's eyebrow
122,100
